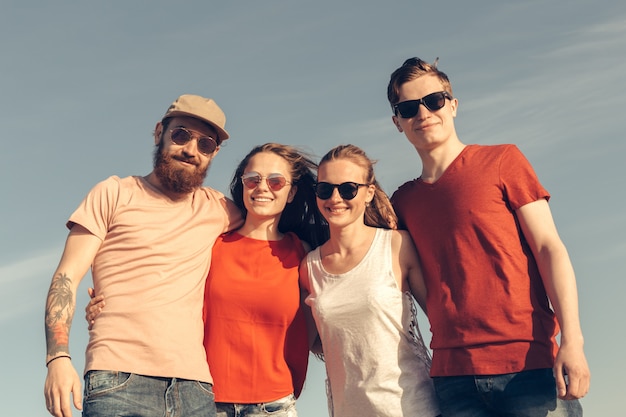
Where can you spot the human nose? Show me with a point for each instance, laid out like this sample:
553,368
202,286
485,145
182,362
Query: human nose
423,112
335,196
263,184
191,147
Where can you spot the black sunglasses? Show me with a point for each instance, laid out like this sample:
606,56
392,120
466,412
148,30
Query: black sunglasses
181,136
347,190
432,102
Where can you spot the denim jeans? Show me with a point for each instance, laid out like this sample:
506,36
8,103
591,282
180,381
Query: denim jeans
283,407
110,393
524,394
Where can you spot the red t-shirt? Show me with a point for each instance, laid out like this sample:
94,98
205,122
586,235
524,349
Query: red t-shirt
487,306
255,331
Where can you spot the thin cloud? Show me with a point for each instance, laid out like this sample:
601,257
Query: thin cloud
24,282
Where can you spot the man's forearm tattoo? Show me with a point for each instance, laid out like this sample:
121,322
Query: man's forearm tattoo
59,314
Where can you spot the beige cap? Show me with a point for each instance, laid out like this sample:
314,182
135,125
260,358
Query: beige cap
201,108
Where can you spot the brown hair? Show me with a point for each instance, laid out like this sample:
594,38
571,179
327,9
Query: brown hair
411,69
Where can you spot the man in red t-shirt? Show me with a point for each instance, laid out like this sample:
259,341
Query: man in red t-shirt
493,264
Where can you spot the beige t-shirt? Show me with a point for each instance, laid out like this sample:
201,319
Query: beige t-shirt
151,268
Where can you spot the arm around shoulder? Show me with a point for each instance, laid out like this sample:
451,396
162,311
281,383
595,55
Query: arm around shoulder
234,217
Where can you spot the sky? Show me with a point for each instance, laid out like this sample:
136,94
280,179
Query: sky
84,83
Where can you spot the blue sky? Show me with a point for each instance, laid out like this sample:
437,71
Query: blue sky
84,83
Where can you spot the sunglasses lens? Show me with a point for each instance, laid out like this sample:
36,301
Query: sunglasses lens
276,182
348,190
251,181
324,190
207,145
434,101
180,136
408,109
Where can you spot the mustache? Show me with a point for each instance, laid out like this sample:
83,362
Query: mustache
187,159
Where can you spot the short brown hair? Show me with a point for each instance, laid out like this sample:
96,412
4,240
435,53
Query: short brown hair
410,70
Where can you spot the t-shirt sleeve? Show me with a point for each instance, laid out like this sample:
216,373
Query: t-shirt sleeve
96,210
397,204
519,179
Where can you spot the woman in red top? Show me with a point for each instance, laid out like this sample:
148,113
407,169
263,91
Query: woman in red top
255,329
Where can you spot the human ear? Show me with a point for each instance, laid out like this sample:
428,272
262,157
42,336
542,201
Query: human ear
371,193
158,133
292,193
396,122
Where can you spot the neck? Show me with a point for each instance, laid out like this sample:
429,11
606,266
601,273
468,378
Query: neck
436,161
346,239
261,229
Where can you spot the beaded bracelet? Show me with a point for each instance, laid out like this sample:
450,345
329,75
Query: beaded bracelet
57,357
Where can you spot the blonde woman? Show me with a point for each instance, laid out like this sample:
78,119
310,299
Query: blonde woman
361,285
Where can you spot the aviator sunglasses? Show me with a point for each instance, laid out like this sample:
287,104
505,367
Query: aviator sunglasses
275,181
347,190
432,102
181,136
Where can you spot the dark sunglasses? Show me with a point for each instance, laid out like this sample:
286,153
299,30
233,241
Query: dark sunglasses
181,136
347,190
275,181
432,102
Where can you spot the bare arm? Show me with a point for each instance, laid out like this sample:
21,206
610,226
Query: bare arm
315,344
409,266
62,379
560,283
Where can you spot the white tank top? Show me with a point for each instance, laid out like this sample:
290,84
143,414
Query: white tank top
376,361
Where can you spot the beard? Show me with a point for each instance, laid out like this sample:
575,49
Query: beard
174,179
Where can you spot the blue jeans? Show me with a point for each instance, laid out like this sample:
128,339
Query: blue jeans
524,394
110,393
283,407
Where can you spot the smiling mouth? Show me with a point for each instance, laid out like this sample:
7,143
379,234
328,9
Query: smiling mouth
186,161
336,209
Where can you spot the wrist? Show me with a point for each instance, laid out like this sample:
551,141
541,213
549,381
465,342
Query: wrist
58,357
572,338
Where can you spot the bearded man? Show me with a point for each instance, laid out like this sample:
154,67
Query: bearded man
148,241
